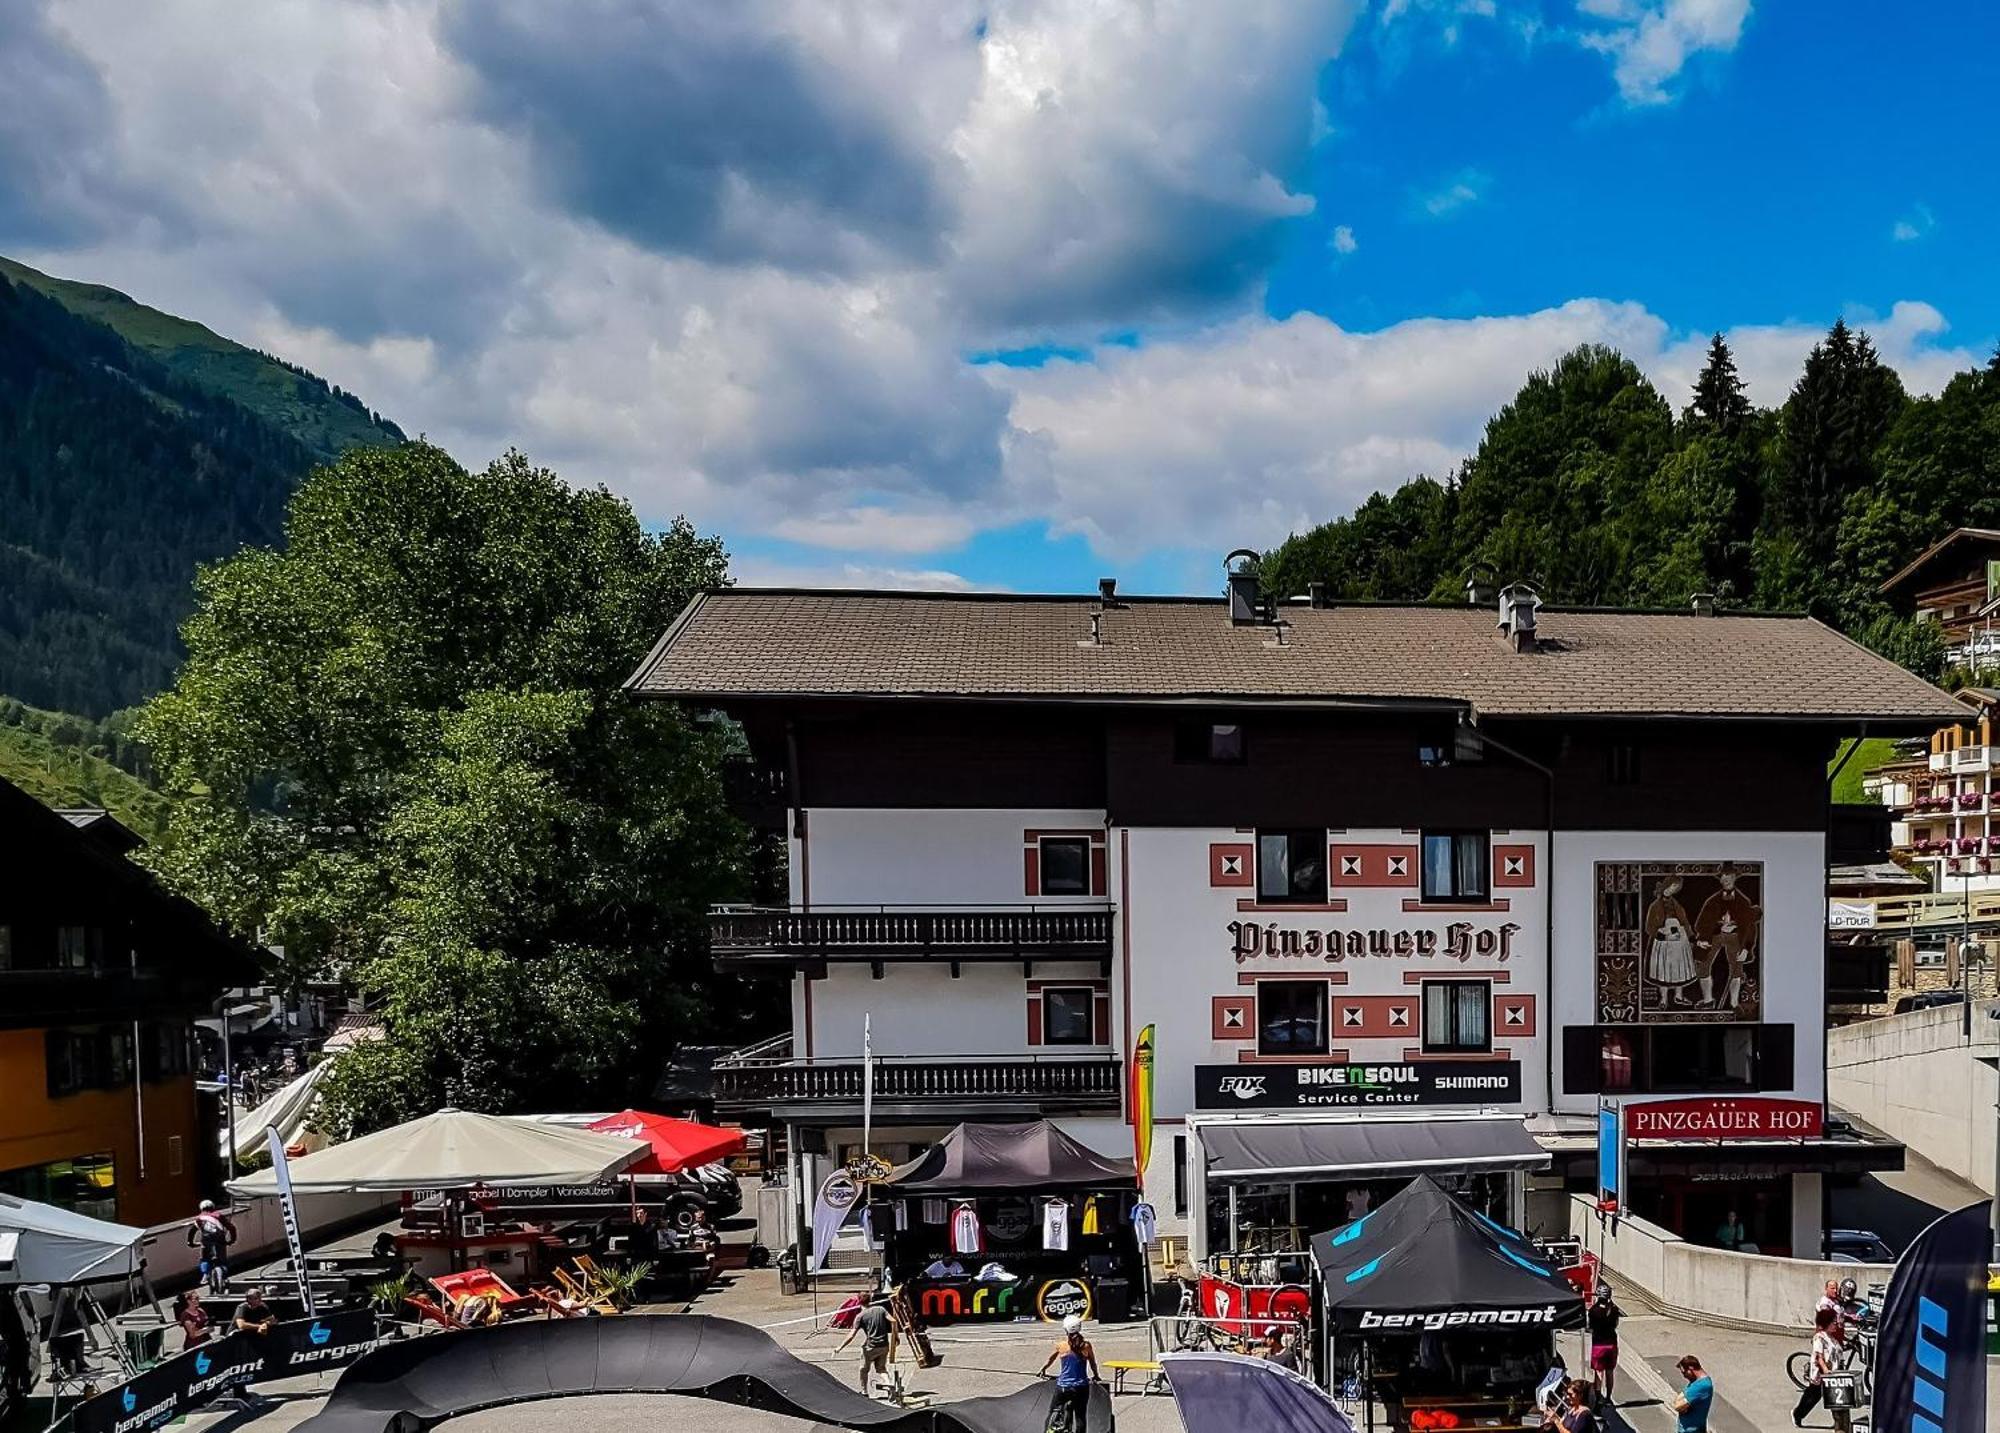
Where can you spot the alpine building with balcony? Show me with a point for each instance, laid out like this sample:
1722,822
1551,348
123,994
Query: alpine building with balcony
1398,887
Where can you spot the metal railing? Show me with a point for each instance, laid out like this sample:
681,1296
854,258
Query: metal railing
1092,1079
910,932
1932,908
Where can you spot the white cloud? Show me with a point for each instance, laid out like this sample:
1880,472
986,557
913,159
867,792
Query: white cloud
1250,430
1343,239
763,572
1466,187
877,529
1916,225
1650,44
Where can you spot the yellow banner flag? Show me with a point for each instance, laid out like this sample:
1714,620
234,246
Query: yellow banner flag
1142,1100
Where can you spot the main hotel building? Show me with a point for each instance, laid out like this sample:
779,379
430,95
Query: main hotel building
1401,888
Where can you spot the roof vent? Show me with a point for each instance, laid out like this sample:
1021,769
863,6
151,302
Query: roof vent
1316,596
1518,605
1479,584
1703,604
1247,607
1107,590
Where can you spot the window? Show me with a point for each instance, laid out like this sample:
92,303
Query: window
1291,1017
1180,1174
1065,866
1067,1015
176,1155
1457,1016
1621,763
1678,1059
6,947
73,946
1455,865
1209,743
85,1184
1291,866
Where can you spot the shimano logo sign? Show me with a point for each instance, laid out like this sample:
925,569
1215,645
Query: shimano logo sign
1244,1087
1462,1318
1928,1386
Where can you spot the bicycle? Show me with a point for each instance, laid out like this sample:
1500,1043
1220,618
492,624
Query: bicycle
1857,1351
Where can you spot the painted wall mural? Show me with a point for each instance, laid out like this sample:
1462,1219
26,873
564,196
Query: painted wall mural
1679,941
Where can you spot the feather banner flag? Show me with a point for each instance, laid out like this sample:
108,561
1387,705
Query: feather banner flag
1142,1101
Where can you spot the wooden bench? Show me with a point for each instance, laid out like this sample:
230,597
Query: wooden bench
1155,1381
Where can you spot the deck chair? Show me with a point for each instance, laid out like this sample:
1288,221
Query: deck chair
582,1290
484,1283
428,1310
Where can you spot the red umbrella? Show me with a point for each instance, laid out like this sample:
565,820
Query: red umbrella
677,1144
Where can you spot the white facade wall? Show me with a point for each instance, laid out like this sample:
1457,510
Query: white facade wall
1792,940
920,1010
924,857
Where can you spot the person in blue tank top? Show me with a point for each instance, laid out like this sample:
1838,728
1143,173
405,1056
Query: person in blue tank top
1075,1363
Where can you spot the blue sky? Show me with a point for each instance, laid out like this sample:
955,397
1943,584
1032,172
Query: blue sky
1007,293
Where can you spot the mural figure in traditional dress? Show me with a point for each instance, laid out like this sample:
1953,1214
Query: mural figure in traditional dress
1670,943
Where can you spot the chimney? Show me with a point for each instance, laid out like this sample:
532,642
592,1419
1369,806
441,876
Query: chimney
1246,593
1107,590
1518,604
1703,604
1316,596
1479,584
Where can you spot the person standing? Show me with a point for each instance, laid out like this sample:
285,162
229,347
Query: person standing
872,1325
1575,1415
1827,1351
1731,1234
192,1318
1076,1370
1691,1408
1603,1318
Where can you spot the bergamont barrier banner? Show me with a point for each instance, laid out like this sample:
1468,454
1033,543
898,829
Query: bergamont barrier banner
1930,1357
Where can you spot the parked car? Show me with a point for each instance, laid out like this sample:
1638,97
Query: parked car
716,1184
1929,1000
1858,1246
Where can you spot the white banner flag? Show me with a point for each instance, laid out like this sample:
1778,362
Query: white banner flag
837,1198
289,1209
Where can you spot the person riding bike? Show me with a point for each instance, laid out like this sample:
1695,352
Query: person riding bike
1076,1370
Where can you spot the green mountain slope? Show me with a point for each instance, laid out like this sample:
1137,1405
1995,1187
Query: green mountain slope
133,447
326,420
64,761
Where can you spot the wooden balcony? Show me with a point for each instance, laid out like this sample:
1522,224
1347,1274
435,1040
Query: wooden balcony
1038,1082
878,934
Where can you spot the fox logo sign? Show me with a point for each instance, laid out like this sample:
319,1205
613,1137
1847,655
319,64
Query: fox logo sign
1244,1087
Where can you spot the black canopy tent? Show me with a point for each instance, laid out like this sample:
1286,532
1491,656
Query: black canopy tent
976,1159
1428,1263
1006,1171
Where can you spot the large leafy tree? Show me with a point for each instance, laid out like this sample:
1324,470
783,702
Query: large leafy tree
403,753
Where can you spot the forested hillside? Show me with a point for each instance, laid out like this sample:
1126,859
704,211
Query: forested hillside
128,454
1590,485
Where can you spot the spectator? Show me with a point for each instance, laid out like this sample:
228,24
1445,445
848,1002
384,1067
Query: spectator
1731,1234
193,1319
1827,1350
1603,1317
1281,1347
1575,1415
1691,1408
254,1316
872,1324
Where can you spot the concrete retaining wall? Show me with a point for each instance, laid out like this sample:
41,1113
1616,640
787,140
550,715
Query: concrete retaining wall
1712,1286
1915,1077
260,1233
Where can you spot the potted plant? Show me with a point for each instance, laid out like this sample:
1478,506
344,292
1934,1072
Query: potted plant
621,1283
388,1296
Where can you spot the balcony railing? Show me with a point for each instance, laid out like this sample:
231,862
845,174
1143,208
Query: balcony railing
913,933
1946,908
1082,1081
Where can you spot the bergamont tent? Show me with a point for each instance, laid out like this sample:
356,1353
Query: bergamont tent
1036,1156
1427,1261
41,1244
451,1150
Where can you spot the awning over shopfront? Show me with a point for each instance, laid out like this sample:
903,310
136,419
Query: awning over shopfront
1297,1149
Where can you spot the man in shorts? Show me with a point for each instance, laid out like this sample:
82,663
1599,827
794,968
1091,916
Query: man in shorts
872,1324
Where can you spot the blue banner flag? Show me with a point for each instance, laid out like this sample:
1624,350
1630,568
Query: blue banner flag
1930,1361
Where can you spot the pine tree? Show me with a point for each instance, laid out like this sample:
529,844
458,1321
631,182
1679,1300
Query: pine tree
1718,392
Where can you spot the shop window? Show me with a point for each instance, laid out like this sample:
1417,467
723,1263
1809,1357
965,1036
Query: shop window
1065,866
1678,1059
1457,865
1209,743
1291,1017
1066,1015
1291,866
1458,1016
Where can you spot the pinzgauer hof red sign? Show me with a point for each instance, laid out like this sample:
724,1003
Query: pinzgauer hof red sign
1742,1117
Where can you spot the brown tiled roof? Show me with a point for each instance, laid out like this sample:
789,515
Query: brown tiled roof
747,642
1937,549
